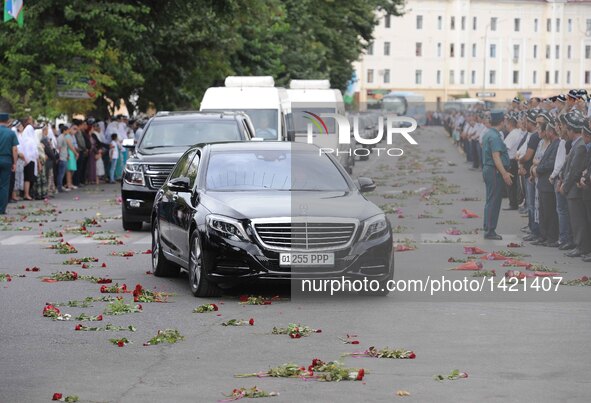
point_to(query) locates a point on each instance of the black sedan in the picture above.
(231, 212)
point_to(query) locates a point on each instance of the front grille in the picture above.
(305, 235)
(157, 174)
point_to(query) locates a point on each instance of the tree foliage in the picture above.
(168, 52)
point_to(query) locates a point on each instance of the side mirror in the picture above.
(129, 143)
(179, 184)
(366, 185)
(291, 135)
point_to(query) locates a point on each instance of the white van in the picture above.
(267, 106)
(405, 103)
(309, 99)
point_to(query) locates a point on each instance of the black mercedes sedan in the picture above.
(231, 212)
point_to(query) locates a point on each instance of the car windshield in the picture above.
(185, 133)
(273, 170)
(263, 120)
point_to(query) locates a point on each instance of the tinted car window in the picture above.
(264, 122)
(272, 170)
(182, 166)
(185, 133)
(192, 172)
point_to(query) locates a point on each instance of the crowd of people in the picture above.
(541, 150)
(50, 159)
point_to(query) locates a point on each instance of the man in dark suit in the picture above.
(547, 197)
(585, 183)
(572, 172)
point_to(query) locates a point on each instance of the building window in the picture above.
(587, 51)
(370, 49)
(558, 25)
(452, 24)
(438, 76)
(473, 50)
(547, 77)
(419, 22)
(557, 52)
(516, 24)
(452, 77)
(588, 77)
(535, 77)
(419, 49)
(536, 25)
(547, 51)
(493, 50)
(387, 21)
(473, 77)
(493, 23)
(569, 52)
(462, 50)
(556, 77)
(570, 25)
(535, 51)
(548, 25)
(451, 50)
(386, 76)
(462, 77)
(515, 76)
(370, 75)
(492, 77)
(439, 49)
(568, 77)
(474, 23)
(463, 23)
(418, 76)
(440, 23)
(515, 53)
(386, 48)
(588, 25)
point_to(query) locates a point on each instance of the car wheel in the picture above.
(200, 285)
(161, 267)
(132, 225)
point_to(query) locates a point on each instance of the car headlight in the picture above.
(226, 227)
(134, 174)
(374, 227)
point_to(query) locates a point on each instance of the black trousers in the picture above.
(80, 174)
(578, 222)
(548, 216)
(513, 190)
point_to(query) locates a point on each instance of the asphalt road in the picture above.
(522, 346)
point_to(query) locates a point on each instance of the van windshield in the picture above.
(263, 120)
(301, 118)
(395, 105)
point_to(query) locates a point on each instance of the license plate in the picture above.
(306, 259)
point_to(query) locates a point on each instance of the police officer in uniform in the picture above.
(495, 162)
(8, 157)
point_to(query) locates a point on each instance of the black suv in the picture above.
(166, 137)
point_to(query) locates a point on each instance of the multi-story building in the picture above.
(448, 48)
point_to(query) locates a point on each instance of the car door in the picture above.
(184, 210)
(169, 210)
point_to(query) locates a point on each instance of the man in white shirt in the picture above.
(512, 142)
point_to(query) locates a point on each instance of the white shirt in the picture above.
(51, 136)
(512, 142)
(560, 159)
(115, 148)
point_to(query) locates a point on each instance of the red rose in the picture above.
(360, 375)
(27, 269)
(318, 330)
(584, 279)
(124, 287)
(120, 343)
(302, 369)
(310, 368)
(243, 298)
(215, 307)
(310, 373)
(251, 321)
(35, 269)
(148, 252)
(135, 298)
(100, 317)
(84, 266)
(297, 335)
(267, 302)
(104, 264)
(412, 355)
(74, 275)
(355, 342)
(139, 306)
(56, 396)
(78, 327)
(103, 289)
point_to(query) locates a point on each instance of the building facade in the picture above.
(448, 48)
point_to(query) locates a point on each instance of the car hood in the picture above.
(158, 158)
(268, 204)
